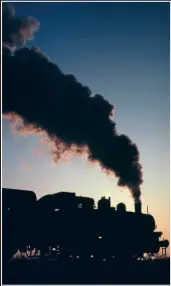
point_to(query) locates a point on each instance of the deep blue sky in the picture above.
(120, 50)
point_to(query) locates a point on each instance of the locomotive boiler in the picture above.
(75, 227)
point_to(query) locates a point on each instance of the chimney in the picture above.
(138, 207)
(109, 201)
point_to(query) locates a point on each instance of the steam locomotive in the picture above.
(75, 227)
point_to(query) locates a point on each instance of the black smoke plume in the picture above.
(16, 30)
(37, 90)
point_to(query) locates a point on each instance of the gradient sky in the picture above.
(120, 50)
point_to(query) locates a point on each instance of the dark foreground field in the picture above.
(46, 272)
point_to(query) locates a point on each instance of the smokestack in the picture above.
(138, 207)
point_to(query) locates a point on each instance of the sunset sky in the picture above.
(120, 50)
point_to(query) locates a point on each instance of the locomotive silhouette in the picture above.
(75, 228)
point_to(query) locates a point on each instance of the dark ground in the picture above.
(45, 272)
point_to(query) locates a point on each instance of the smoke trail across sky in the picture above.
(46, 99)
